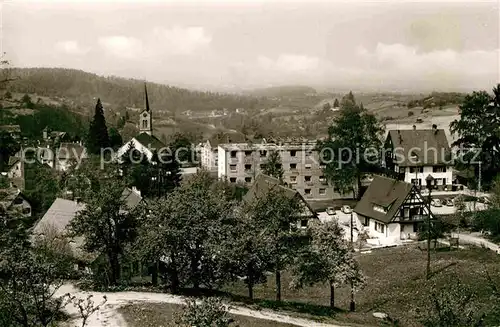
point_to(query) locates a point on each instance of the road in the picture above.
(478, 240)
(108, 315)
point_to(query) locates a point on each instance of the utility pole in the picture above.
(429, 180)
(352, 306)
(479, 182)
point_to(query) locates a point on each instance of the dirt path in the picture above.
(477, 240)
(109, 316)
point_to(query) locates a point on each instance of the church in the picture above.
(145, 142)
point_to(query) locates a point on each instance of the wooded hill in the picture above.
(83, 88)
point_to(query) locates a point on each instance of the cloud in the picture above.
(392, 63)
(71, 47)
(180, 40)
(289, 63)
(122, 46)
(161, 42)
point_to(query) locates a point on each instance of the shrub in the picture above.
(410, 113)
(209, 313)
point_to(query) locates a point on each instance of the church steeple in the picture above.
(146, 116)
(146, 94)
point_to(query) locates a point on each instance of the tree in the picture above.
(209, 313)
(26, 101)
(8, 147)
(115, 139)
(184, 230)
(275, 214)
(336, 103)
(453, 306)
(182, 148)
(246, 251)
(327, 259)
(273, 166)
(41, 186)
(352, 148)
(29, 279)
(327, 106)
(477, 131)
(106, 226)
(97, 137)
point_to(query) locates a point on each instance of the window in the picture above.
(233, 154)
(293, 166)
(248, 153)
(366, 221)
(415, 169)
(144, 124)
(303, 223)
(26, 211)
(232, 167)
(308, 166)
(293, 179)
(307, 178)
(263, 153)
(322, 191)
(379, 227)
(278, 166)
(248, 179)
(307, 191)
(322, 179)
(293, 153)
(378, 208)
(402, 170)
(248, 167)
(322, 166)
(232, 179)
(438, 169)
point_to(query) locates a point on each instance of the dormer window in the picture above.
(379, 208)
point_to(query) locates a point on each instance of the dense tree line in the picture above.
(83, 87)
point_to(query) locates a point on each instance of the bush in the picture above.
(410, 113)
(209, 313)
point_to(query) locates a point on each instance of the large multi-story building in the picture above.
(241, 163)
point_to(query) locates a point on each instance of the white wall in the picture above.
(221, 171)
(427, 170)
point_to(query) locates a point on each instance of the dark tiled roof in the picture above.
(385, 192)
(71, 151)
(150, 141)
(217, 139)
(264, 184)
(11, 128)
(7, 197)
(422, 143)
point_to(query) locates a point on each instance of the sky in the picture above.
(233, 45)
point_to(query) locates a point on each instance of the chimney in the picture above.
(434, 128)
(414, 127)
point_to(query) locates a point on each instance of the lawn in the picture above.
(395, 285)
(161, 315)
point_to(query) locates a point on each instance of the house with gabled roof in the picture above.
(69, 154)
(417, 153)
(264, 184)
(392, 209)
(145, 142)
(13, 201)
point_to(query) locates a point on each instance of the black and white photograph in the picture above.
(249, 163)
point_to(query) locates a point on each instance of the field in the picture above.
(395, 285)
(156, 315)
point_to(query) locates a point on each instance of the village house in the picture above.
(264, 184)
(416, 154)
(392, 209)
(13, 130)
(13, 201)
(61, 213)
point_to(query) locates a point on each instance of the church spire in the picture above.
(146, 94)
